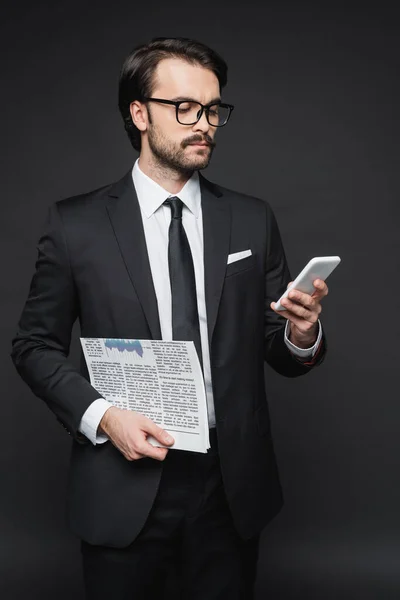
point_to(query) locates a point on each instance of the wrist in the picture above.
(303, 340)
(107, 419)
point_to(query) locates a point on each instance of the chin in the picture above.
(197, 165)
(198, 162)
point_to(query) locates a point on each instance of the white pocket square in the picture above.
(238, 256)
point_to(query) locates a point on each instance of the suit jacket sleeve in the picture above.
(41, 344)
(277, 277)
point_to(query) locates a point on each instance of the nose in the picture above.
(202, 124)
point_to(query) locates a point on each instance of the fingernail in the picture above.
(168, 438)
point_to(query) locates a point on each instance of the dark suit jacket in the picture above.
(93, 265)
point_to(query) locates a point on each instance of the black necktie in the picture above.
(185, 316)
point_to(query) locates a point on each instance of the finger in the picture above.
(300, 311)
(290, 283)
(128, 453)
(133, 455)
(282, 313)
(160, 453)
(141, 448)
(303, 326)
(321, 289)
(303, 299)
(151, 451)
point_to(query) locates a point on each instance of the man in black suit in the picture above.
(165, 254)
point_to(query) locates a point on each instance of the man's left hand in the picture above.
(303, 311)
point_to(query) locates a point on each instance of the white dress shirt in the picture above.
(156, 220)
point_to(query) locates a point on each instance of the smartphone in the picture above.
(319, 267)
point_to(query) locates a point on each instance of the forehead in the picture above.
(175, 78)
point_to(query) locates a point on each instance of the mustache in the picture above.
(198, 139)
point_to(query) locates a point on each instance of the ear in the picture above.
(139, 115)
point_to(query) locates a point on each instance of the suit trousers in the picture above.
(188, 547)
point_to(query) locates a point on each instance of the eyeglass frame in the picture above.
(204, 108)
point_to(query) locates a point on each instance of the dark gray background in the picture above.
(315, 131)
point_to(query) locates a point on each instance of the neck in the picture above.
(170, 179)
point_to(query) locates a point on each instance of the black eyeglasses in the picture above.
(189, 112)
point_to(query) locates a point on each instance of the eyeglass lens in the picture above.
(188, 113)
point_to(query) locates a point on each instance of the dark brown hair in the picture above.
(136, 78)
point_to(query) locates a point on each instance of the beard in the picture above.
(171, 155)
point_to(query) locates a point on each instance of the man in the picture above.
(165, 254)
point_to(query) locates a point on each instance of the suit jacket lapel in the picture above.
(216, 232)
(126, 219)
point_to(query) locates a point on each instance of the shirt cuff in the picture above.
(91, 420)
(303, 352)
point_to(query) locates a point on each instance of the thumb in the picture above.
(159, 433)
(290, 283)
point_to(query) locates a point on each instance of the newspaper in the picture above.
(159, 379)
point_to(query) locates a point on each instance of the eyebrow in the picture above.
(188, 99)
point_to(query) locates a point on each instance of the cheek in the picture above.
(166, 133)
(172, 131)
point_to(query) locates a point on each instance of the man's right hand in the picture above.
(128, 431)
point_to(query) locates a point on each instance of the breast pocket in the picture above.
(244, 264)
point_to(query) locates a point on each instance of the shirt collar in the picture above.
(151, 195)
